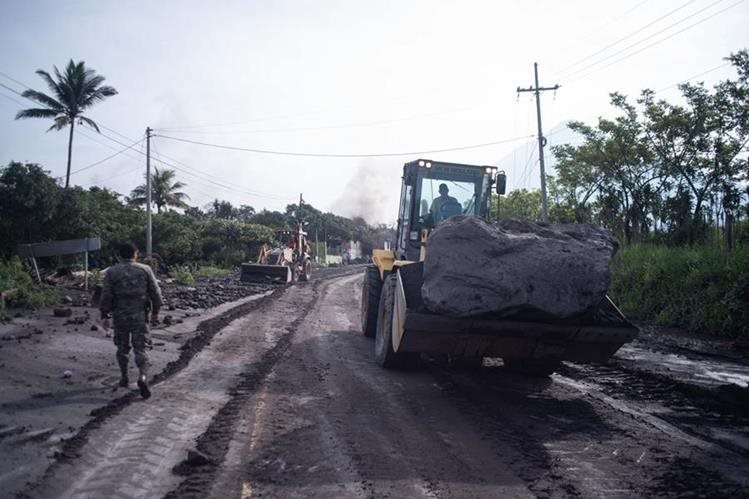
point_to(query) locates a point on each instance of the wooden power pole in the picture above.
(149, 242)
(541, 140)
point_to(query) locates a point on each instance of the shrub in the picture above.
(211, 271)
(27, 293)
(183, 275)
(700, 289)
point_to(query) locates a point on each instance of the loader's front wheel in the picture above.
(384, 353)
(370, 300)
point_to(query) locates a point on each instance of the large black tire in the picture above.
(370, 300)
(306, 273)
(384, 353)
(533, 367)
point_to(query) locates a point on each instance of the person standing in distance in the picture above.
(128, 289)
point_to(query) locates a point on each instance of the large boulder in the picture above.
(474, 268)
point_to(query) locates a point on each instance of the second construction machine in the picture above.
(286, 263)
(394, 314)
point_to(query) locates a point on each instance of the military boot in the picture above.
(124, 380)
(145, 392)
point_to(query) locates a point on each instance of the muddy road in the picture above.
(286, 401)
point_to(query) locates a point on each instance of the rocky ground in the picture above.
(279, 397)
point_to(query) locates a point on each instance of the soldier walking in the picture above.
(129, 289)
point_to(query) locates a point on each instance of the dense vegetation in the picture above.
(33, 207)
(698, 288)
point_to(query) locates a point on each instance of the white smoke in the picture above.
(372, 192)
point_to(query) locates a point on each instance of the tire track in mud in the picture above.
(572, 446)
(207, 329)
(688, 458)
(696, 410)
(486, 404)
(214, 443)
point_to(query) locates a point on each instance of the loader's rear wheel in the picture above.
(384, 353)
(370, 300)
(306, 271)
(533, 367)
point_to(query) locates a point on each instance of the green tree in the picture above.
(702, 144)
(28, 201)
(521, 204)
(75, 90)
(613, 162)
(164, 191)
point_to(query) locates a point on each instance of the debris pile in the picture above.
(474, 268)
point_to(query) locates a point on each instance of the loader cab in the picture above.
(469, 190)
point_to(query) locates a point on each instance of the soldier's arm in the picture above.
(107, 299)
(154, 293)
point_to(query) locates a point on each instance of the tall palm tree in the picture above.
(75, 90)
(163, 191)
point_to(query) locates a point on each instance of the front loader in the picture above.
(394, 314)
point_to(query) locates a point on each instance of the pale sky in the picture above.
(342, 77)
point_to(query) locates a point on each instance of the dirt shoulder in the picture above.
(60, 374)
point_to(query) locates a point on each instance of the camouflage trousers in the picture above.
(137, 335)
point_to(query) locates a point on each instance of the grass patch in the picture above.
(700, 289)
(211, 271)
(26, 292)
(183, 275)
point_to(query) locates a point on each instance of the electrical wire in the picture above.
(12, 99)
(612, 44)
(324, 127)
(692, 77)
(107, 158)
(226, 187)
(330, 155)
(210, 183)
(649, 37)
(662, 39)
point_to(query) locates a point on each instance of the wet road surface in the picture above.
(286, 401)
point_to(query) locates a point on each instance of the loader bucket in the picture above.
(254, 272)
(594, 337)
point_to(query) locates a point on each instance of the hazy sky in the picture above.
(342, 77)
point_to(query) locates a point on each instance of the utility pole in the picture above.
(541, 140)
(149, 242)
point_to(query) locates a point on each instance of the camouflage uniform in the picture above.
(128, 290)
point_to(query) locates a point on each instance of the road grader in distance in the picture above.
(394, 314)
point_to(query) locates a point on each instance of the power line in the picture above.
(330, 155)
(11, 98)
(323, 127)
(595, 63)
(662, 39)
(210, 183)
(625, 37)
(217, 184)
(107, 158)
(597, 29)
(693, 77)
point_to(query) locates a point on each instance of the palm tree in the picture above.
(163, 191)
(76, 90)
